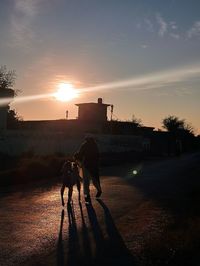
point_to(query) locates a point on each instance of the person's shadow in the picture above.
(108, 251)
(86, 245)
(99, 247)
(111, 250)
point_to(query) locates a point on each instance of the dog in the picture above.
(70, 177)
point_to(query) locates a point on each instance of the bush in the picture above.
(31, 169)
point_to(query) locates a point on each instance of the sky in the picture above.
(142, 56)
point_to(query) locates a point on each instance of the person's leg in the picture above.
(78, 184)
(96, 181)
(62, 192)
(97, 178)
(86, 184)
(86, 181)
(70, 191)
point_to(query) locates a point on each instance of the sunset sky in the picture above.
(143, 56)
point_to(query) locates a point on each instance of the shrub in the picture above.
(31, 169)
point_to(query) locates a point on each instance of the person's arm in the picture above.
(79, 155)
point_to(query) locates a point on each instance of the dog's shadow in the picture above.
(68, 254)
(60, 248)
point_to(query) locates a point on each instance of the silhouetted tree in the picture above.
(173, 124)
(7, 81)
(13, 118)
(136, 121)
(7, 78)
(189, 128)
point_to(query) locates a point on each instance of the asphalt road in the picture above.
(138, 203)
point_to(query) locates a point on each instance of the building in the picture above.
(64, 136)
(92, 118)
(94, 112)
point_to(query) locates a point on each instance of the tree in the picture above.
(7, 78)
(13, 118)
(136, 121)
(189, 128)
(7, 81)
(174, 124)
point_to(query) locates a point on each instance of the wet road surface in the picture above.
(36, 230)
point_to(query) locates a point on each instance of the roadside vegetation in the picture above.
(23, 169)
(30, 168)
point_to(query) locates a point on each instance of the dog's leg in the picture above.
(62, 192)
(78, 184)
(70, 191)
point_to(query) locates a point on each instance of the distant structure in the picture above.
(62, 136)
(4, 94)
(94, 112)
(92, 118)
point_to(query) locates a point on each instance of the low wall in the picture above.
(44, 143)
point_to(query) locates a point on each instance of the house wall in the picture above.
(93, 112)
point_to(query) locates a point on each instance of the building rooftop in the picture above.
(80, 104)
(99, 102)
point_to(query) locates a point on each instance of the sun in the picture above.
(65, 92)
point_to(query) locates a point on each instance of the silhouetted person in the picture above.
(88, 156)
(70, 177)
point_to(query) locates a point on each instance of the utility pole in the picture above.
(111, 112)
(67, 113)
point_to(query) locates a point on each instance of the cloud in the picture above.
(175, 36)
(165, 28)
(149, 25)
(162, 25)
(194, 31)
(168, 79)
(164, 79)
(50, 67)
(169, 28)
(26, 7)
(138, 26)
(144, 46)
(24, 13)
(173, 25)
(183, 91)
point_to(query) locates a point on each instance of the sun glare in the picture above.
(65, 92)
